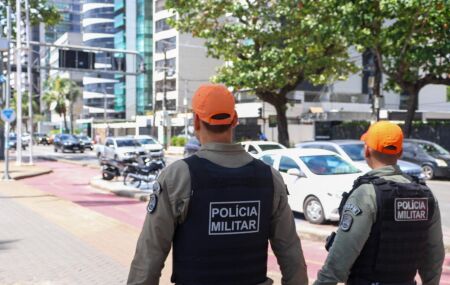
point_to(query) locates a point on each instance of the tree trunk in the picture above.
(283, 134)
(71, 118)
(65, 121)
(377, 88)
(412, 106)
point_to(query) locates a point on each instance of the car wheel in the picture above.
(82, 151)
(313, 211)
(131, 181)
(107, 176)
(56, 150)
(428, 171)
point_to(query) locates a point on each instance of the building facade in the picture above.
(97, 27)
(180, 61)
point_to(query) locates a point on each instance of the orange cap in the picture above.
(384, 137)
(214, 104)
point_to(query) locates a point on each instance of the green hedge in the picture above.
(178, 141)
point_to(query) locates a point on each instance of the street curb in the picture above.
(34, 174)
(70, 162)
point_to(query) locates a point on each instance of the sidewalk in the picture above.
(24, 171)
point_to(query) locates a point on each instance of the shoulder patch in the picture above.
(151, 207)
(346, 222)
(349, 207)
(156, 187)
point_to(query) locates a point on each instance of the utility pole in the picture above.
(164, 107)
(8, 90)
(19, 82)
(30, 79)
(104, 111)
(185, 108)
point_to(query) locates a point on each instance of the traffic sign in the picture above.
(8, 115)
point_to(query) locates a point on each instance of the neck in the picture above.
(206, 137)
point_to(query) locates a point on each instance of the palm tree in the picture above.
(60, 94)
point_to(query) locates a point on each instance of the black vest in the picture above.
(398, 238)
(224, 239)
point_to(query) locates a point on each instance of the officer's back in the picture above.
(218, 209)
(390, 226)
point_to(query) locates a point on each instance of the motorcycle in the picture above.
(112, 168)
(143, 169)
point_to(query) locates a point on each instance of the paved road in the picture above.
(87, 216)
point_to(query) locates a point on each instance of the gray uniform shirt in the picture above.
(348, 244)
(155, 241)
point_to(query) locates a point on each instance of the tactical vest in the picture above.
(398, 238)
(224, 239)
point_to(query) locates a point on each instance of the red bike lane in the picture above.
(71, 182)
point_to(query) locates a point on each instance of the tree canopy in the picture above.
(410, 38)
(268, 47)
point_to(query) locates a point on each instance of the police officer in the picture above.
(390, 225)
(218, 209)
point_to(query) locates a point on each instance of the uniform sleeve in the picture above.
(154, 242)
(431, 267)
(349, 241)
(284, 239)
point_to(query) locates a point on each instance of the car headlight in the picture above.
(441, 163)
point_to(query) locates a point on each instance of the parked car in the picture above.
(12, 142)
(353, 150)
(26, 139)
(68, 142)
(41, 139)
(120, 148)
(256, 147)
(315, 179)
(87, 141)
(151, 145)
(53, 138)
(191, 147)
(433, 158)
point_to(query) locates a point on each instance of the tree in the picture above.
(40, 12)
(60, 94)
(268, 46)
(25, 104)
(410, 40)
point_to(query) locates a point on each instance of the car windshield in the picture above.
(432, 148)
(328, 165)
(354, 151)
(127, 143)
(84, 137)
(147, 141)
(265, 147)
(69, 138)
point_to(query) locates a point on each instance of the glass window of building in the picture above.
(168, 44)
(162, 25)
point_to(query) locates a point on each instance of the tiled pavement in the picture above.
(36, 251)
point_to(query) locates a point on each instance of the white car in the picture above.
(315, 179)
(353, 151)
(254, 148)
(151, 145)
(121, 148)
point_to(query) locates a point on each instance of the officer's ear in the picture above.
(235, 121)
(196, 122)
(366, 151)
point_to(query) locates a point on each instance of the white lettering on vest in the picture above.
(411, 209)
(240, 217)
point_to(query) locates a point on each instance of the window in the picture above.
(109, 143)
(160, 5)
(268, 159)
(328, 147)
(167, 44)
(328, 165)
(171, 64)
(162, 25)
(252, 149)
(265, 147)
(287, 163)
(171, 85)
(354, 151)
